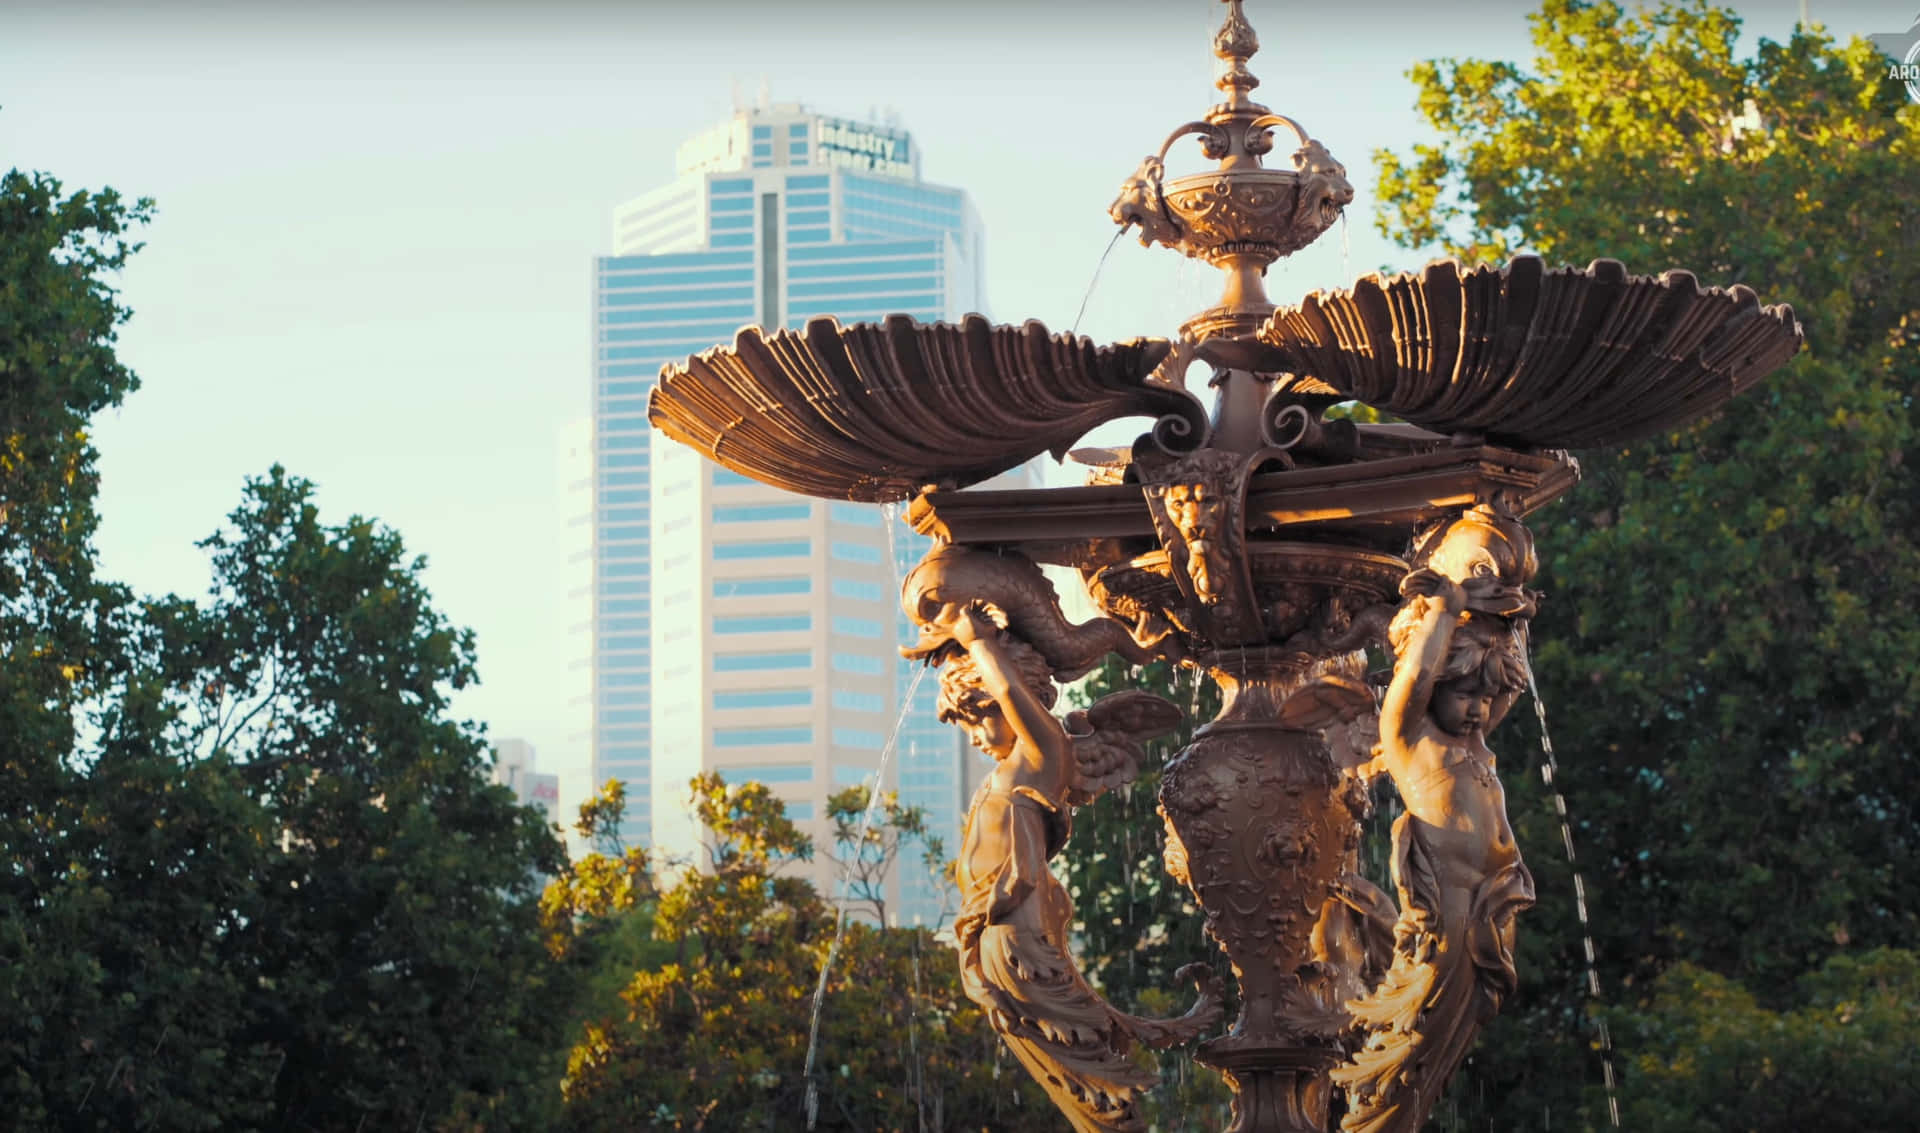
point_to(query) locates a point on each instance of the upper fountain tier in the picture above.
(1523, 357)
(1240, 216)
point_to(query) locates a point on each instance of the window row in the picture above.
(763, 623)
(760, 587)
(724, 700)
(762, 662)
(894, 248)
(762, 549)
(755, 513)
(761, 737)
(877, 271)
(647, 264)
(838, 288)
(613, 285)
(890, 305)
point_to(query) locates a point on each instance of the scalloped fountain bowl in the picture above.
(1561, 358)
(878, 412)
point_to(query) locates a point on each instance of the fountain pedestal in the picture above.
(1261, 826)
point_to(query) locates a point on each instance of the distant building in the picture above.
(513, 767)
(572, 759)
(737, 627)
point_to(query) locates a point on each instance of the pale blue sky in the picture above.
(371, 260)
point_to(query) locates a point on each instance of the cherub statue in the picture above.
(1014, 917)
(1458, 670)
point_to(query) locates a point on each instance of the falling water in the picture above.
(1549, 771)
(840, 919)
(1346, 248)
(1095, 281)
(889, 513)
(913, 1036)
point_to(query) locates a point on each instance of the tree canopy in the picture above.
(1727, 650)
(712, 1022)
(256, 878)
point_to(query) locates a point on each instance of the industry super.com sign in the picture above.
(864, 148)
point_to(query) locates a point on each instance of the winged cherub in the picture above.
(1014, 916)
(1458, 670)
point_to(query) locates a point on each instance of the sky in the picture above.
(372, 255)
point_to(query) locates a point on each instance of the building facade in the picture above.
(740, 628)
(515, 766)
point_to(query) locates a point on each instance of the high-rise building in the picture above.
(739, 628)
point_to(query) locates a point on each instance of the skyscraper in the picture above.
(737, 627)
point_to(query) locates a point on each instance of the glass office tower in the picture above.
(739, 628)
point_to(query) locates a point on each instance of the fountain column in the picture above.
(1260, 827)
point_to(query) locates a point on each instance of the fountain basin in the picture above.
(1560, 358)
(877, 412)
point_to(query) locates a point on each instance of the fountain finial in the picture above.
(1240, 216)
(1234, 44)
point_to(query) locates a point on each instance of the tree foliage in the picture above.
(255, 877)
(869, 835)
(1840, 1056)
(1727, 653)
(711, 1031)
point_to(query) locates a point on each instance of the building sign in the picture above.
(543, 791)
(865, 149)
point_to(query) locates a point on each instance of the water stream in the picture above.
(1095, 281)
(1549, 771)
(1346, 249)
(889, 519)
(840, 917)
(913, 1036)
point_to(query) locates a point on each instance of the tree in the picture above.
(59, 317)
(255, 878)
(869, 849)
(713, 1033)
(1727, 649)
(121, 865)
(1843, 1057)
(393, 931)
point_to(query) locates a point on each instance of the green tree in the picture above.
(1727, 650)
(712, 1034)
(1712, 1058)
(255, 878)
(121, 864)
(869, 844)
(393, 930)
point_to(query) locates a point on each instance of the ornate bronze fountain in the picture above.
(1268, 546)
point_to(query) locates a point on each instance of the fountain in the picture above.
(1269, 546)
